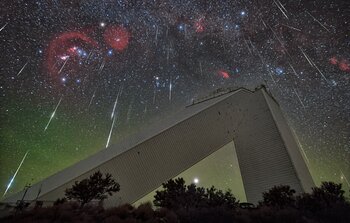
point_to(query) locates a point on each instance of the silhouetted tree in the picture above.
(200, 205)
(218, 198)
(177, 195)
(95, 187)
(60, 201)
(173, 195)
(328, 194)
(279, 196)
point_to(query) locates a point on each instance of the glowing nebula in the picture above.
(199, 25)
(64, 46)
(333, 60)
(342, 64)
(223, 74)
(117, 37)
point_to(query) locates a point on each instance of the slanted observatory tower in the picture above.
(266, 149)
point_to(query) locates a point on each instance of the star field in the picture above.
(78, 76)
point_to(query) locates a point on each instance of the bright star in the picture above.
(181, 27)
(279, 71)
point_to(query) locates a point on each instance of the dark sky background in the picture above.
(77, 76)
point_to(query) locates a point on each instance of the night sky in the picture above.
(79, 75)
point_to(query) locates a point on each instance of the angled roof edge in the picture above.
(217, 93)
(223, 91)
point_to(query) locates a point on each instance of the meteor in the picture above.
(293, 70)
(156, 37)
(116, 102)
(343, 178)
(53, 114)
(245, 41)
(64, 64)
(170, 90)
(14, 175)
(110, 132)
(92, 98)
(102, 66)
(301, 102)
(128, 114)
(281, 8)
(307, 58)
(201, 68)
(300, 146)
(24, 66)
(318, 22)
(291, 27)
(311, 62)
(3, 27)
(154, 95)
(168, 54)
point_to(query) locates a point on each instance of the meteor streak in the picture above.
(14, 175)
(293, 70)
(245, 41)
(3, 27)
(311, 62)
(299, 98)
(279, 40)
(102, 66)
(92, 98)
(168, 51)
(110, 132)
(318, 22)
(53, 114)
(300, 146)
(156, 37)
(24, 66)
(128, 114)
(291, 27)
(116, 101)
(170, 90)
(200, 68)
(64, 64)
(307, 58)
(154, 95)
(343, 177)
(281, 8)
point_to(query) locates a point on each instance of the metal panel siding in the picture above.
(299, 164)
(262, 157)
(143, 163)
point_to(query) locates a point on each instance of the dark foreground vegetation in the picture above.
(178, 202)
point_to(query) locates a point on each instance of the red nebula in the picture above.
(199, 26)
(223, 74)
(117, 37)
(63, 46)
(333, 60)
(344, 65)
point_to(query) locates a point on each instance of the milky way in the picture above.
(77, 76)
